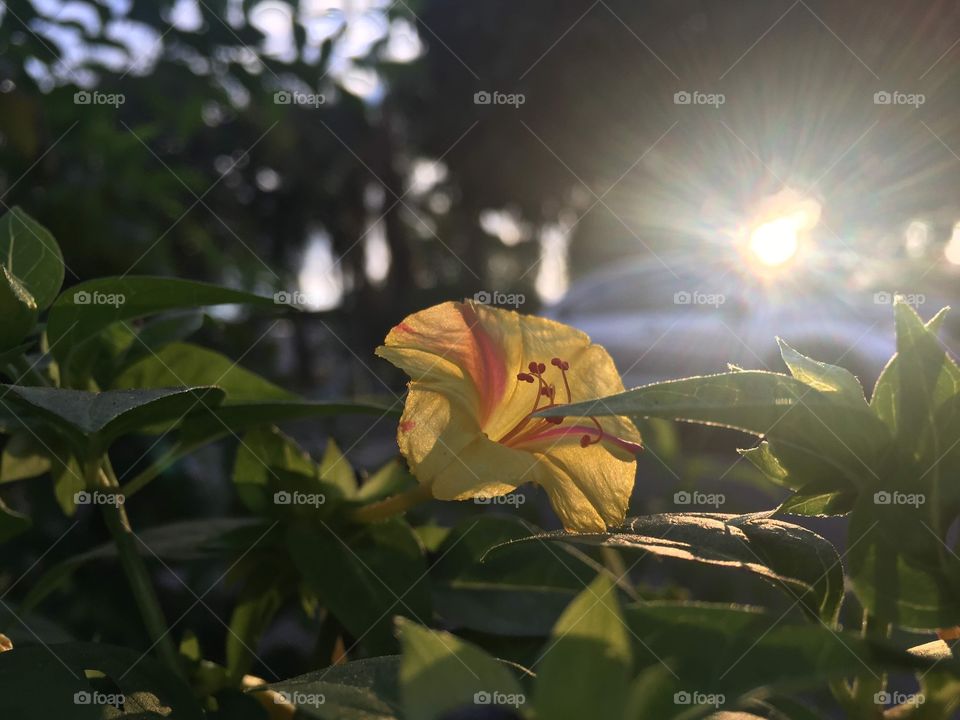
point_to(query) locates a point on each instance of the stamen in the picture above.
(531, 429)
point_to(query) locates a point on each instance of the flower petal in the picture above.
(460, 348)
(588, 487)
(446, 450)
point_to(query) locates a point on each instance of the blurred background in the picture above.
(684, 180)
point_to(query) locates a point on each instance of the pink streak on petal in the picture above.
(407, 425)
(490, 370)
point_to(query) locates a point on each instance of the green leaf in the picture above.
(183, 364)
(822, 376)
(900, 564)
(336, 471)
(926, 378)
(30, 253)
(820, 430)
(916, 341)
(763, 458)
(240, 417)
(93, 362)
(251, 617)
(358, 690)
(182, 541)
(720, 650)
(159, 332)
(269, 462)
(391, 479)
(107, 415)
(901, 570)
(18, 310)
(87, 308)
(23, 457)
(586, 668)
(12, 523)
(67, 475)
(365, 577)
(47, 678)
(520, 591)
(798, 560)
(810, 501)
(439, 672)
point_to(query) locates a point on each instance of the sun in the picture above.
(775, 243)
(779, 226)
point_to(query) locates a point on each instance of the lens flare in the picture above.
(779, 226)
(775, 242)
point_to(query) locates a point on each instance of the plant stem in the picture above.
(375, 512)
(866, 688)
(99, 475)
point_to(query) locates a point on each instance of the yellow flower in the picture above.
(477, 376)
